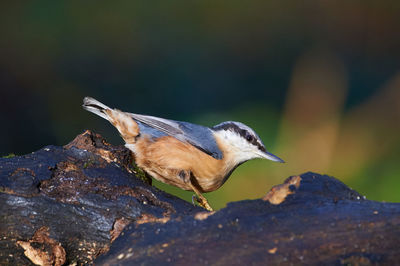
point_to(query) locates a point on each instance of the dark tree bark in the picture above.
(84, 203)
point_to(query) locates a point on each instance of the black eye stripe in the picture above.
(242, 132)
(261, 147)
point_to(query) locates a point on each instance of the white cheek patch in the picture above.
(241, 148)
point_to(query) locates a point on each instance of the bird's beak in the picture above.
(270, 156)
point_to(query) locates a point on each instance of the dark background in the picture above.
(318, 80)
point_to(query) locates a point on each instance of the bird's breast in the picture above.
(166, 156)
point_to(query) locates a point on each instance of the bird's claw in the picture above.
(202, 202)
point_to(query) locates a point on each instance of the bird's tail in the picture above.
(96, 107)
(124, 122)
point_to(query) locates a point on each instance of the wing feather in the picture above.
(198, 136)
(167, 126)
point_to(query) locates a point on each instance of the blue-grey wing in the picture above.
(202, 138)
(199, 136)
(151, 131)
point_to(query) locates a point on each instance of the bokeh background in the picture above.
(318, 80)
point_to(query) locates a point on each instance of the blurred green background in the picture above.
(318, 80)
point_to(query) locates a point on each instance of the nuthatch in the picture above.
(185, 155)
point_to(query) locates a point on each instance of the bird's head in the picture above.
(243, 143)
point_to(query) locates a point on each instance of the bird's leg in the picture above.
(186, 177)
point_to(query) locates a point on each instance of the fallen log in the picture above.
(86, 203)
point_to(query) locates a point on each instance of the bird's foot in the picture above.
(202, 201)
(186, 176)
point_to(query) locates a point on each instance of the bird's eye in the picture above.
(248, 136)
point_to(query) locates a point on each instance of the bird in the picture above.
(185, 155)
